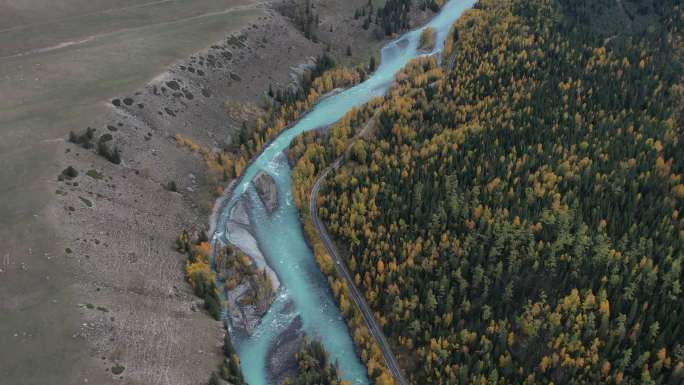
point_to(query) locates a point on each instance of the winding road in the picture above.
(341, 268)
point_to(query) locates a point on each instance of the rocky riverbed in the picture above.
(267, 191)
(281, 361)
(250, 286)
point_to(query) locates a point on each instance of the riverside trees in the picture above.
(314, 366)
(286, 107)
(394, 16)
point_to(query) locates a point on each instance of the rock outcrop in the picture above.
(281, 362)
(250, 284)
(267, 190)
(238, 214)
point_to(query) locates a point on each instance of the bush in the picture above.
(69, 173)
(213, 380)
(212, 304)
(205, 287)
(113, 155)
(183, 243)
(427, 39)
(118, 369)
(231, 372)
(84, 139)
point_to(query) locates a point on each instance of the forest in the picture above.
(517, 218)
(314, 367)
(394, 16)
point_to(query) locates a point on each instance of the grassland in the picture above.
(45, 93)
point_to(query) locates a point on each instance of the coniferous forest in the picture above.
(518, 217)
(314, 366)
(394, 15)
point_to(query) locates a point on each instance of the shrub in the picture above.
(427, 39)
(111, 154)
(118, 369)
(69, 173)
(84, 139)
(213, 380)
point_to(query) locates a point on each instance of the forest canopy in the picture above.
(518, 218)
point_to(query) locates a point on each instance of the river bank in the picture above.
(280, 235)
(105, 265)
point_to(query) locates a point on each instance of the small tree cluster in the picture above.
(314, 366)
(199, 273)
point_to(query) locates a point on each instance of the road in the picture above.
(341, 268)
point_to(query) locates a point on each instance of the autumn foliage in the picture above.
(517, 219)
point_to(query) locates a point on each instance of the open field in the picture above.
(43, 95)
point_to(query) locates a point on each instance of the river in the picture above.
(280, 235)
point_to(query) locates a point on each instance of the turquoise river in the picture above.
(280, 235)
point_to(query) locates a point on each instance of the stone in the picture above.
(281, 361)
(267, 190)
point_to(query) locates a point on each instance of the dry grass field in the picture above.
(107, 48)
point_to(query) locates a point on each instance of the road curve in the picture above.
(359, 300)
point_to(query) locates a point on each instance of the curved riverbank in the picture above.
(280, 233)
